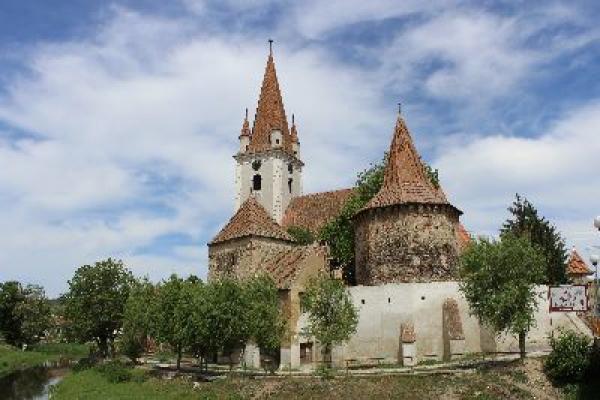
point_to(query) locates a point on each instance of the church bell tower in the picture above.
(268, 161)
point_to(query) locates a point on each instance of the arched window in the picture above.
(256, 182)
(290, 184)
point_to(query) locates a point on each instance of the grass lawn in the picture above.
(507, 382)
(13, 359)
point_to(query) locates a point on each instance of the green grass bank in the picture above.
(13, 359)
(514, 381)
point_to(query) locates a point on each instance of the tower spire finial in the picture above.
(270, 47)
(399, 108)
(293, 122)
(246, 113)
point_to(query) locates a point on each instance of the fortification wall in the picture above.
(384, 309)
(410, 243)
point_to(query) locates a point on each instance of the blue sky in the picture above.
(118, 119)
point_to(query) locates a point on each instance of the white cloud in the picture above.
(142, 118)
(134, 128)
(557, 171)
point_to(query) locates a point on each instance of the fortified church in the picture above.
(408, 240)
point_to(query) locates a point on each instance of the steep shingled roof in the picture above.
(462, 237)
(251, 220)
(270, 114)
(405, 179)
(576, 265)
(314, 210)
(284, 267)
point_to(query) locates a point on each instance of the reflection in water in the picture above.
(31, 384)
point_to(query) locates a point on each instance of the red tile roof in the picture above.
(285, 266)
(576, 265)
(270, 114)
(314, 210)
(251, 220)
(463, 237)
(405, 179)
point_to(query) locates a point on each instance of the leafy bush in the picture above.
(301, 235)
(115, 372)
(569, 359)
(84, 364)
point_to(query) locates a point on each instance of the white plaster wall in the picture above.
(278, 186)
(238, 186)
(386, 307)
(274, 194)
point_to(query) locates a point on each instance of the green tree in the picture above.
(24, 313)
(95, 302)
(137, 318)
(527, 222)
(499, 282)
(339, 232)
(223, 315)
(264, 322)
(174, 320)
(332, 318)
(301, 235)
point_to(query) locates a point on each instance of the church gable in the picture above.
(251, 220)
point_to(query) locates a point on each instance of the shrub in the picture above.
(115, 372)
(84, 364)
(569, 359)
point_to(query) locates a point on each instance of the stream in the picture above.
(32, 383)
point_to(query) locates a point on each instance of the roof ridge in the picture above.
(251, 219)
(325, 192)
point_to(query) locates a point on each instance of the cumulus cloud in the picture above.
(556, 170)
(131, 137)
(120, 143)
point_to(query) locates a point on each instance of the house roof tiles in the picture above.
(576, 265)
(251, 220)
(314, 210)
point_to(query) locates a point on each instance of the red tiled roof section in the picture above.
(245, 131)
(251, 220)
(405, 179)
(285, 266)
(314, 210)
(270, 114)
(576, 265)
(463, 238)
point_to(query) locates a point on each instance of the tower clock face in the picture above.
(256, 165)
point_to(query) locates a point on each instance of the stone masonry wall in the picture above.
(408, 243)
(242, 258)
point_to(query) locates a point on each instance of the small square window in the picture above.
(362, 301)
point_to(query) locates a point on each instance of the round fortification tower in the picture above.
(407, 232)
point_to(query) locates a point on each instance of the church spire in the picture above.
(293, 131)
(245, 126)
(270, 113)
